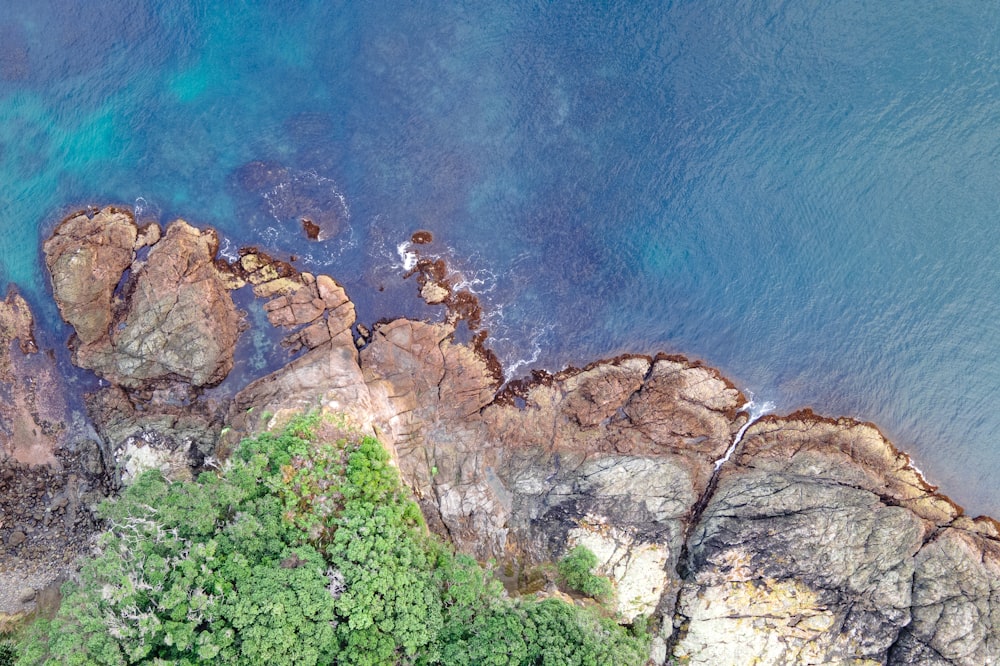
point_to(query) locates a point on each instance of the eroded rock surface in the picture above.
(810, 547)
(807, 550)
(86, 256)
(527, 477)
(171, 318)
(955, 603)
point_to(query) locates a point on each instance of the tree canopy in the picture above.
(305, 549)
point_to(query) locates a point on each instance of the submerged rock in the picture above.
(292, 197)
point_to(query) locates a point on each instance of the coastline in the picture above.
(623, 455)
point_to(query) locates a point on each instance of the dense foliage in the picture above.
(8, 653)
(576, 571)
(305, 550)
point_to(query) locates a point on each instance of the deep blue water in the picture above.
(804, 196)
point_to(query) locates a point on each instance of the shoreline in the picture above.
(439, 285)
(656, 463)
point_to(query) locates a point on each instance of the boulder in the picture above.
(178, 323)
(169, 319)
(86, 256)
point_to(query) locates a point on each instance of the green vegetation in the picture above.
(304, 550)
(8, 653)
(576, 572)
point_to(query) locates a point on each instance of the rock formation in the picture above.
(51, 471)
(805, 552)
(815, 542)
(170, 318)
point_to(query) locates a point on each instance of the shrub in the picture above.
(304, 550)
(8, 653)
(576, 573)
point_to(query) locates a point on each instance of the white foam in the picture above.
(228, 251)
(513, 360)
(277, 204)
(477, 282)
(753, 411)
(407, 257)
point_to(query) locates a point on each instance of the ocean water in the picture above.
(806, 197)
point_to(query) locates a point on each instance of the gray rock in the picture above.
(956, 602)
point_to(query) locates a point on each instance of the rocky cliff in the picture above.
(814, 542)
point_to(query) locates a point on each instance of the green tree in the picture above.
(306, 549)
(576, 571)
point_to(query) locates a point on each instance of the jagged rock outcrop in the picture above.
(169, 319)
(86, 256)
(528, 477)
(807, 550)
(808, 545)
(171, 430)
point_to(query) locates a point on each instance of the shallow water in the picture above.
(803, 197)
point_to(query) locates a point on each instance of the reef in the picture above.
(814, 542)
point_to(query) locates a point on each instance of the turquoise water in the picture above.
(805, 197)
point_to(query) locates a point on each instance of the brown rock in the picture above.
(310, 337)
(271, 277)
(686, 407)
(595, 395)
(86, 256)
(148, 235)
(330, 292)
(178, 322)
(16, 323)
(303, 313)
(33, 410)
(174, 318)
